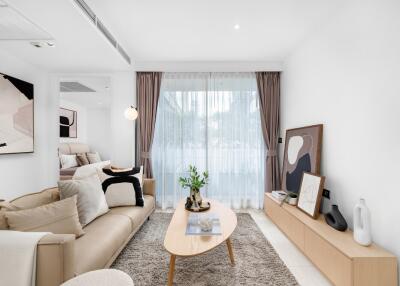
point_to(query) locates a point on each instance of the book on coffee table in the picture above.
(197, 224)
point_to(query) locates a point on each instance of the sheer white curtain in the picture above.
(211, 120)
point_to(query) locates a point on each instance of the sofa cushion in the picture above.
(121, 187)
(91, 200)
(103, 237)
(37, 199)
(3, 221)
(136, 214)
(59, 217)
(82, 159)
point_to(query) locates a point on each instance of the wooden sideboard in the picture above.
(335, 253)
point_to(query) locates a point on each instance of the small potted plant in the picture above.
(194, 182)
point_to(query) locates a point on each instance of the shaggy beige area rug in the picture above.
(257, 263)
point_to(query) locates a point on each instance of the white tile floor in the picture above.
(302, 268)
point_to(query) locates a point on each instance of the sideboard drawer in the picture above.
(291, 226)
(336, 266)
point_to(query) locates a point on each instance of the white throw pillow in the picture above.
(89, 170)
(91, 200)
(68, 161)
(118, 195)
(93, 157)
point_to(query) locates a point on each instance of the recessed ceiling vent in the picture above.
(97, 22)
(74, 86)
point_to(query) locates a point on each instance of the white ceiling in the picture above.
(168, 31)
(188, 30)
(79, 45)
(101, 98)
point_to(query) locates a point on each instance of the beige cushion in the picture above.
(91, 200)
(58, 217)
(3, 221)
(93, 157)
(37, 199)
(4, 207)
(136, 214)
(104, 236)
(82, 159)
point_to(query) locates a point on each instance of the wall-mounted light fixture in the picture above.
(131, 113)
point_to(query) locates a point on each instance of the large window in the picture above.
(211, 120)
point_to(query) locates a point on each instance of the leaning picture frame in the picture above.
(302, 153)
(310, 194)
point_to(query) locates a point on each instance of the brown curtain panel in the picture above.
(148, 92)
(269, 92)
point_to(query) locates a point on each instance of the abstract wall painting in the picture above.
(310, 194)
(68, 123)
(16, 115)
(302, 154)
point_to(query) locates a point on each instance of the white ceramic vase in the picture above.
(362, 224)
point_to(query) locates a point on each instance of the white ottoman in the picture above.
(103, 277)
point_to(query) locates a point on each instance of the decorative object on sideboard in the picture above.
(292, 199)
(310, 194)
(68, 123)
(131, 113)
(279, 195)
(302, 154)
(17, 115)
(195, 182)
(335, 219)
(362, 224)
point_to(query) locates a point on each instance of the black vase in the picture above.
(335, 219)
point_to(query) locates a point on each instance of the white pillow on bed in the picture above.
(68, 161)
(88, 170)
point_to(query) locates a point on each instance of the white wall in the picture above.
(25, 173)
(123, 89)
(347, 77)
(214, 66)
(99, 131)
(81, 121)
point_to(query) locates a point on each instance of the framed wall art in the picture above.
(310, 195)
(16, 115)
(302, 154)
(68, 123)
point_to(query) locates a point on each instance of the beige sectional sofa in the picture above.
(61, 256)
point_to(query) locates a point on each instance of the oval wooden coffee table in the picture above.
(177, 243)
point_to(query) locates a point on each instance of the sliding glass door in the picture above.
(210, 120)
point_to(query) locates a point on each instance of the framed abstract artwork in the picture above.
(310, 195)
(16, 115)
(302, 154)
(68, 123)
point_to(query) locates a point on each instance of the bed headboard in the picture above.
(73, 148)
